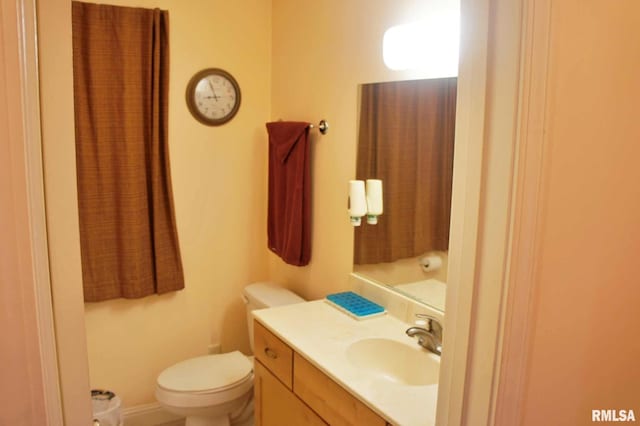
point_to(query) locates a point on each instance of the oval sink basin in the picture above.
(395, 361)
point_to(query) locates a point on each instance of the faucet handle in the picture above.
(432, 323)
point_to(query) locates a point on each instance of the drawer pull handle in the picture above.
(270, 353)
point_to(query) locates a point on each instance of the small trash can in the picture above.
(107, 408)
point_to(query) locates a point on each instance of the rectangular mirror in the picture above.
(406, 139)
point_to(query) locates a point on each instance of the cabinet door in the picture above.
(327, 398)
(275, 405)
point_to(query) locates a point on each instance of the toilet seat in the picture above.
(206, 380)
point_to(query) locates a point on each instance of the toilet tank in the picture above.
(265, 295)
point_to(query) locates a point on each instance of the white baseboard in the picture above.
(150, 415)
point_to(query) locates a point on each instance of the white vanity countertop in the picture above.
(322, 334)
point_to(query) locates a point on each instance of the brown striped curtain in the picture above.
(406, 139)
(128, 231)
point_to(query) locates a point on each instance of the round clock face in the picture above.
(213, 96)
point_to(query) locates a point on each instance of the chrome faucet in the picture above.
(429, 337)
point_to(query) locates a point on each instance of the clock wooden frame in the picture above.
(191, 100)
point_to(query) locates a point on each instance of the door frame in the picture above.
(18, 19)
(500, 160)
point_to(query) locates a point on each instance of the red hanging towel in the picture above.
(289, 215)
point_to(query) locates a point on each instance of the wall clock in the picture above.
(213, 96)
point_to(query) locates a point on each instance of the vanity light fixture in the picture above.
(429, 46)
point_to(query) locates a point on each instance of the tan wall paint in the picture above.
(584, 348)
(21, 387)
(218, 183)
(320, 56)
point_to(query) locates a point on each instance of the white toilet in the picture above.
(217, 390)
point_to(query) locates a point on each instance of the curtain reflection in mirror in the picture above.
(406, 138)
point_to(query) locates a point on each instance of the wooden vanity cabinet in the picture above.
(289, 390)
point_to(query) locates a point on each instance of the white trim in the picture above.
(528, 202)
(26, 22)
(486, 145)
(149, 414)
(499, 181)
(472, 80)
(56, 108)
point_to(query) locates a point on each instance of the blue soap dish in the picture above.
(355, 305)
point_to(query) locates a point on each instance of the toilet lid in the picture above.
(206, 372)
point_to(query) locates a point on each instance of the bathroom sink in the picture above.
(395, 361)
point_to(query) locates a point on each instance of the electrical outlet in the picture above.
(214, 348)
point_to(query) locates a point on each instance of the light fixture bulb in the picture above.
(430, 46)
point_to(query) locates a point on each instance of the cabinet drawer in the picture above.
(273, 353)
(327, 398)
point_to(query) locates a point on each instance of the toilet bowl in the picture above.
(217, 390)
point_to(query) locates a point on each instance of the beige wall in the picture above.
(585, 350)
(218, 183)
(320, 56)
(22, 398)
